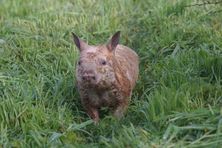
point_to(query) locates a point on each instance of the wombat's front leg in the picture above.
(93, 113)
(119, 111)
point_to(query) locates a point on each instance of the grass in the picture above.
(177, 101)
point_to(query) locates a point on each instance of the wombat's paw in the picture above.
(93, 114)
(119, 112)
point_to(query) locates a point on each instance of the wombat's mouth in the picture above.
(91, 82)
(96, 84)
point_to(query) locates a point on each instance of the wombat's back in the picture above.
(129, 63)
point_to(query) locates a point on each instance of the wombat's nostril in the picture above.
(88, 76)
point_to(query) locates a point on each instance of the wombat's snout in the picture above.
(89, 76)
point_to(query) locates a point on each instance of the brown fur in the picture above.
(106, 84)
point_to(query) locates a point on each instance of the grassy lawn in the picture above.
(177, 101)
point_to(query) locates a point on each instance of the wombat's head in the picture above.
(95, 66)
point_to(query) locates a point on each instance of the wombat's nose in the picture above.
(89, 76)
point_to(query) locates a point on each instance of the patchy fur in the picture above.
(106, 76)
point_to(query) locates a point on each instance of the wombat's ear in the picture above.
(79, 43)
(114, 41)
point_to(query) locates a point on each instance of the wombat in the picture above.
(106, 75)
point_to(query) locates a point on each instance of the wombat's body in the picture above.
(106, 76)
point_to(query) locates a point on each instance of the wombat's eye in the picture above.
(103, 62)
(79, 62)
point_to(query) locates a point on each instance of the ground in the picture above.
(178, 98)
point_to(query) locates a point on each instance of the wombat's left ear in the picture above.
(114, 41)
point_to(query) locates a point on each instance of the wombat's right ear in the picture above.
(79, 43)
(114, 41)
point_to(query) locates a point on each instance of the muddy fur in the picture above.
(106, 75)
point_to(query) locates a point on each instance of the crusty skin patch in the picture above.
(114, 70)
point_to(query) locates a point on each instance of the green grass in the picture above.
(177, 101)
